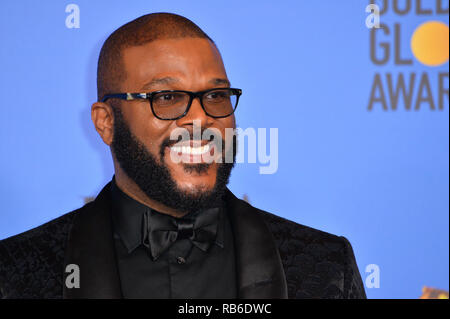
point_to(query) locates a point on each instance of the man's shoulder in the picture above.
(317, 264)
(283, 229)
(50, 229)
(296, 241)
(51, 234)
(32, 261)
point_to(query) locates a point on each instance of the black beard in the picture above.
(155, 180)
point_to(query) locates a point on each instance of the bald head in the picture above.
(145, 29)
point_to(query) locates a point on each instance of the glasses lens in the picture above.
(220, 102)
(170, 105)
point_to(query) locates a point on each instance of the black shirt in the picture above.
(183, 270)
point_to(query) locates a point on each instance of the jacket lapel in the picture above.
(259, 268)
(91, 246)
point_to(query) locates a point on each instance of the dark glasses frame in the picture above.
(192, 95)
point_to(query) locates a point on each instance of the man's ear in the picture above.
(102, 116)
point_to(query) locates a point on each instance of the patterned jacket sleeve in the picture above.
(353, 284)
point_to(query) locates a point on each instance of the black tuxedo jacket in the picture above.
(275, 257)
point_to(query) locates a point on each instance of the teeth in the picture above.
(191, 150)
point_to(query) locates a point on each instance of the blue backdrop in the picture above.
(378, 177)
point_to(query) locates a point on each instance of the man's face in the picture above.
(190, 64)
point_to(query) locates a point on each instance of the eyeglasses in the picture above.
(174, 104)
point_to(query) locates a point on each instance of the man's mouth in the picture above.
(193, 151)
(192, 147)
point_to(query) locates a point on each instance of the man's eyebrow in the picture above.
(165, 80)
(218, 81)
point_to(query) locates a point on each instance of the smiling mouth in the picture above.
(193, 151)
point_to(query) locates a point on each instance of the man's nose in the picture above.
(195, 113)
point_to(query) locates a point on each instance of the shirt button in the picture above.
(181, 260)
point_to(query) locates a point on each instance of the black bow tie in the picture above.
(160, 230)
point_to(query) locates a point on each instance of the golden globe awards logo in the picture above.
(429, 46)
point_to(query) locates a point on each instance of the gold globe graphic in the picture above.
(429, 43)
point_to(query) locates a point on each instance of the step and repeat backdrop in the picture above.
(353, 94)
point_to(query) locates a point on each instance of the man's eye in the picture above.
(167, 97)
(217, 96)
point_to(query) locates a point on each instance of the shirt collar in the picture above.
(127, 216)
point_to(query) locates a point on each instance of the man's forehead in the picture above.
(182, 56)
(177, 48)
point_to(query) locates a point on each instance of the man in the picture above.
(167, 226)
